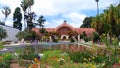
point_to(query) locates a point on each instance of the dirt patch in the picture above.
(15, 65)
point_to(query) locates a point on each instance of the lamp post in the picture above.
(97, 6)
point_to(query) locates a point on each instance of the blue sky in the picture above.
(56, 11)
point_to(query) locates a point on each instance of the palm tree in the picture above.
(114, 20)
(30, 3)
(108, 22)
(111, 20)
(96, 24)
(6, 11)
(97, 7)
(24, 6)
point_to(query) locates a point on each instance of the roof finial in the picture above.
(65, 21)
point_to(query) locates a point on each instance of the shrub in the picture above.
(79, 56)
(95, 36)
(86, 39)
(26, 56)
(28, 53)
(5, 61)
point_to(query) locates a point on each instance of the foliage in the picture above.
(17, 17)
(28, 16)
(95, 37)
(72, 35)
(24, 6)
(104, 57)
(86, 39)
(27, 35)
(108, 22)
(54, 58)
(86, 22)
(72, 40)
(79, 56)
(28, 53)
(6, 11)
(3, 33)
(5, 60)
(2, 45)
(41, 21)
(42, 30)
(7, 56)
(54, 36)
(26, 56)
(51, 54)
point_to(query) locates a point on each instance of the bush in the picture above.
(72, 40)
(6, 59)
(28, 53)
(79, 56)
(86, 39)
(95, 37)
(1, 45)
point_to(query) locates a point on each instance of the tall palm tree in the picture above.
(97, 7)
(111, 20)
(30, 3)
(96, 24)
(24, 6)
(6, 11)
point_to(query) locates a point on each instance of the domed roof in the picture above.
(64, 25)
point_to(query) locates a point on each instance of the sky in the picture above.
(56, 11)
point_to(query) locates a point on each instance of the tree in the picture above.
(3, 33)
(97, 7)
(24, 6)
(6, 11)
(112, 17)
(108, 23)
(41, 21)
(17, 17)
(27, 35)
(30, 3)
(27, 4)
(72, 35)
(87, 22)
(54, 36)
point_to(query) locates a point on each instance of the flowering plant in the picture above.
(61, 61)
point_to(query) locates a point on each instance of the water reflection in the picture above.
(41, 46)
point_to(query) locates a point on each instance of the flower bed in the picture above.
(71, 56)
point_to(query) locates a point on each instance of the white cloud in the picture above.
(75, 18)
(69, 9)
(54, 23)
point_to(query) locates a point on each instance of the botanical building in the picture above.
(65, 30)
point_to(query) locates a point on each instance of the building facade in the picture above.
(65, 28)
(11, 33)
